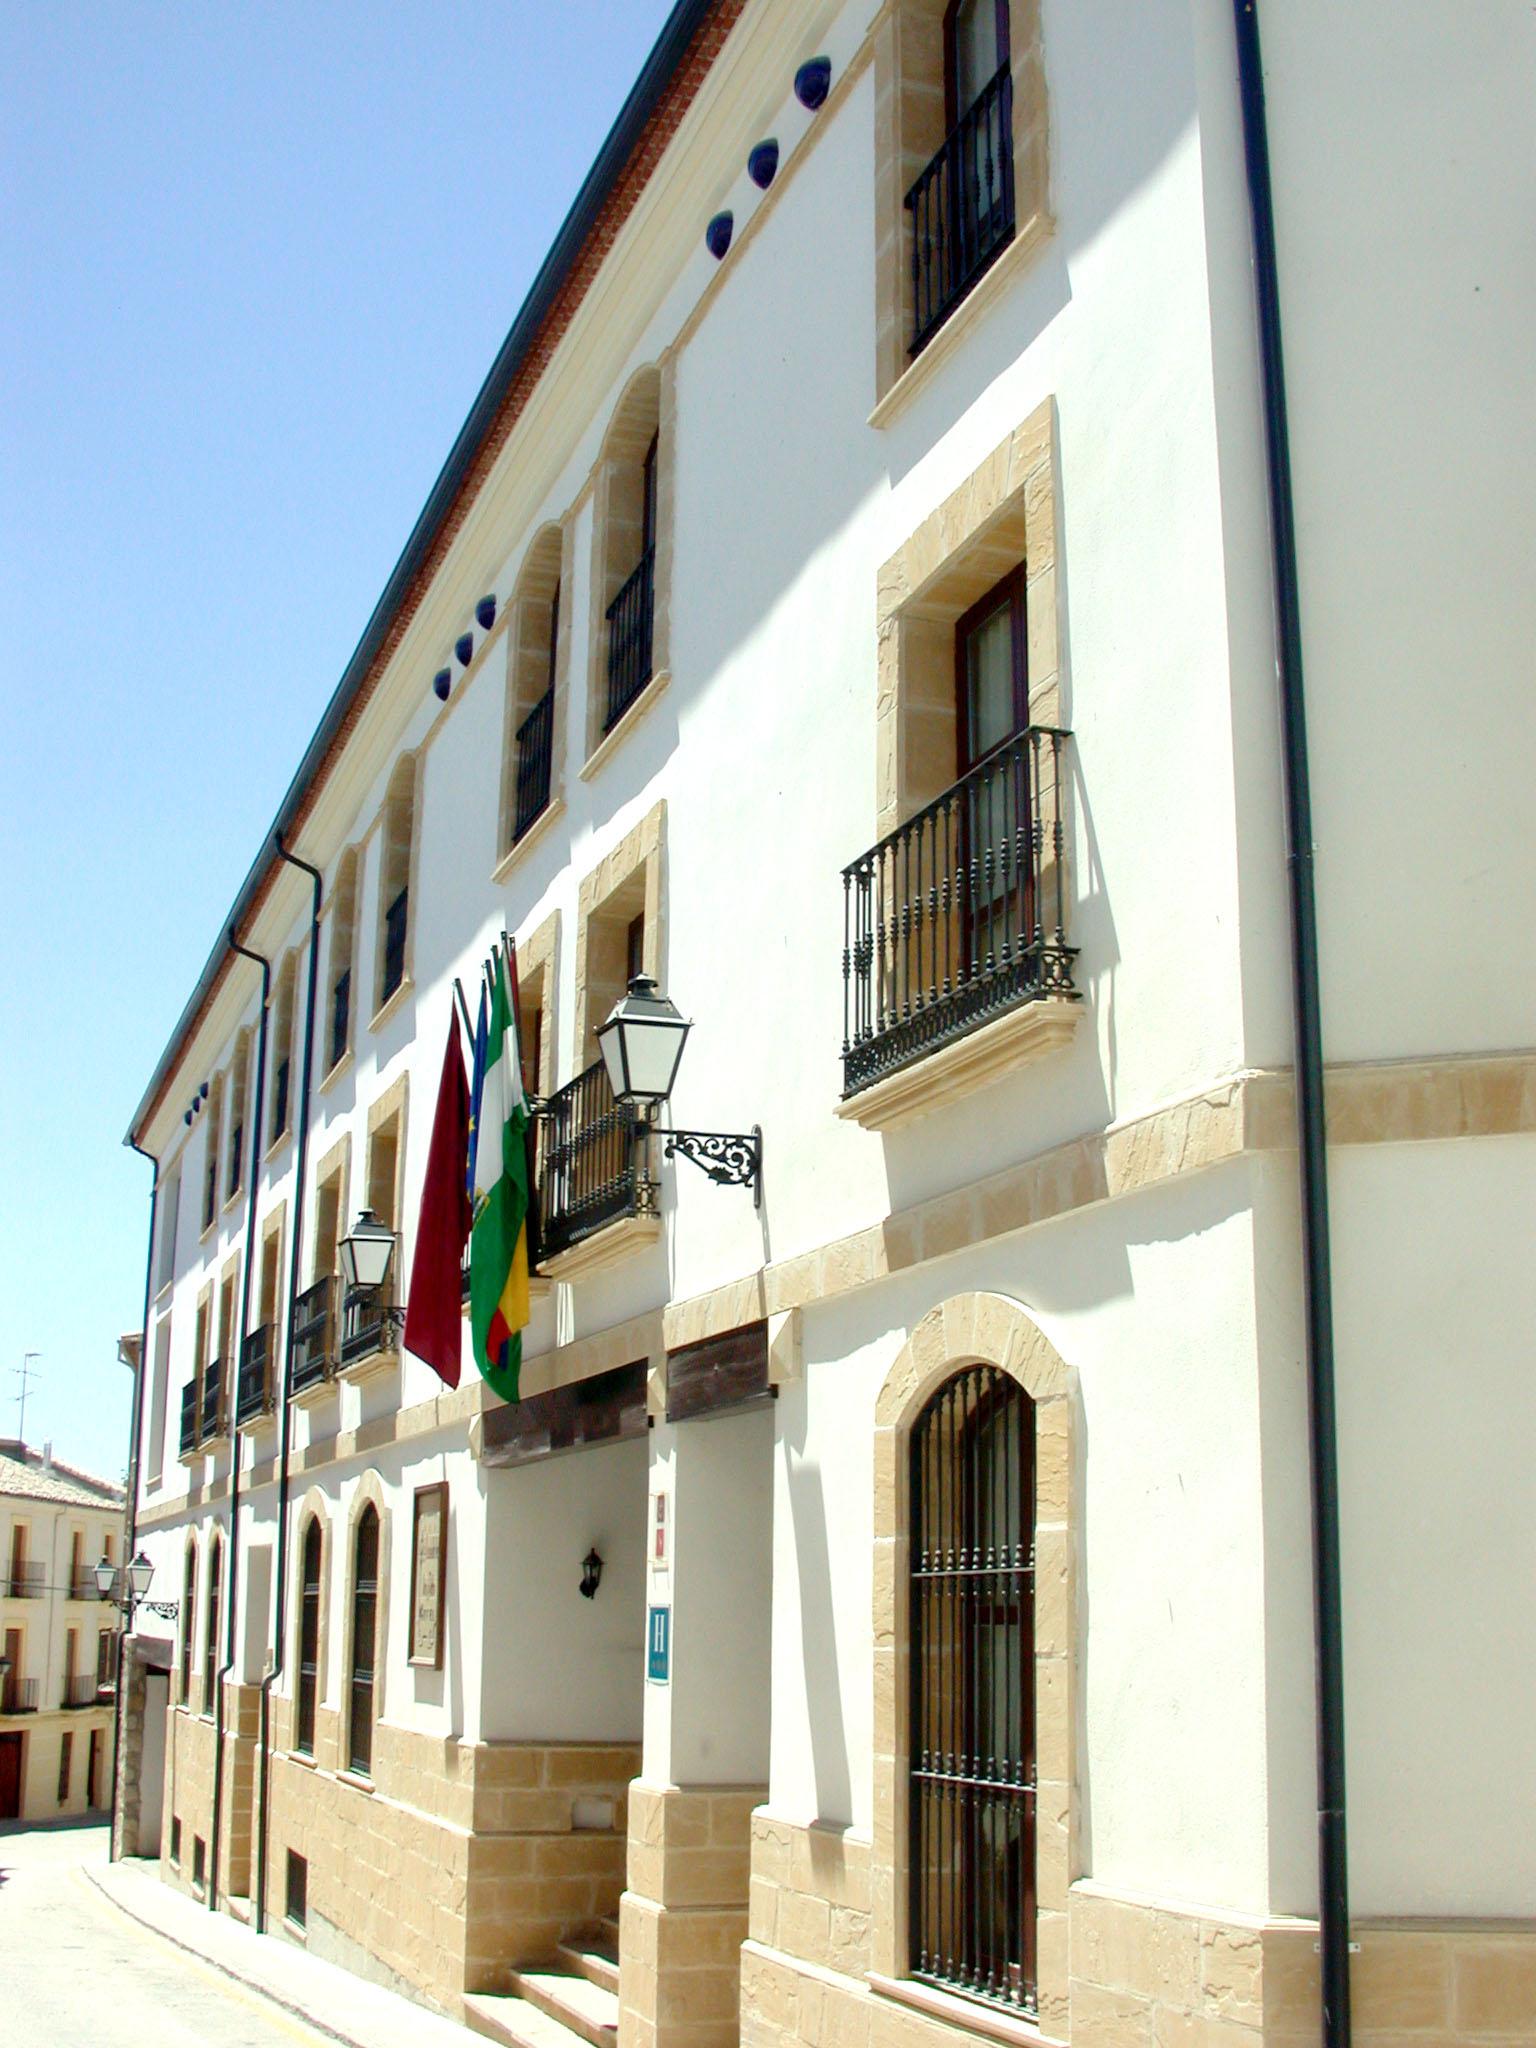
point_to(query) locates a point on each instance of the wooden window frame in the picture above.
(362, 1682)
(307, 1669)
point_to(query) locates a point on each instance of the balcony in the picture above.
(394, 944)
(83, 1586)
(25, 1582)
(254, 1387)
(190, 1434)
(962, 208)
(591, 1173)
(535, 758)
(18, 1695)
(630, 618)
(214, 1414)
(79, 1692)
(370, 1326)
(312, 1359)
(952, 923)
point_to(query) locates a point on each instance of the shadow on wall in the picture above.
(818, 1622)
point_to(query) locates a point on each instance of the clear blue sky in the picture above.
(254, 263)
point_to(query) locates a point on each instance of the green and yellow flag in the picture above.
(498, 1241)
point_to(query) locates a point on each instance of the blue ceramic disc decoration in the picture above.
(464, 647)
(441, 682)
(813, 81)
(717, 236)
(763, 162)
(485, 612)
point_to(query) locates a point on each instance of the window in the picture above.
(212, 1127)
(282, 1050)
(93, 1768)
(199, 1862)
(296, 1891)
(176, 1839)
(365, 1598)
(343, 933)
(166, 1212)
(239, 1089)
(535, 651)
(106, 1645)
(961, 160)
(309, 1639)
(211, 1626)
(158, 1391)
(66, 1758)
(971, 1848)
(395, 879)
(631, 555)
(188, 1621)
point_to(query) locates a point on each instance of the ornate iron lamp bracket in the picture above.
(733, 1158)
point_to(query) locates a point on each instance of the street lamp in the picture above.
(641, 1041)
(129, 1588)
(366, 1251)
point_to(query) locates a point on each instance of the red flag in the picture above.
(434, 1315)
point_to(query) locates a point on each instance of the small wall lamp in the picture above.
(591, 1574)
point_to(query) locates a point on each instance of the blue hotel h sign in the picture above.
(658, 1645)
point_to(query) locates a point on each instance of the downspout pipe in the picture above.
(274, 1669)
(232, 1577)
(1317, 1282)
(131, 1518)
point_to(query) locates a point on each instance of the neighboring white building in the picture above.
(876, 645)
(57, 1637)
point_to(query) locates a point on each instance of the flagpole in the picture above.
(464, 1018)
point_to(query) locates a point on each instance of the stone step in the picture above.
(500, 2016)
(586, 2008)
(596, 1959)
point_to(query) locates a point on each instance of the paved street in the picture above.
(77, 1973)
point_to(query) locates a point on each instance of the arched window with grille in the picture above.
(972, 1794)
(211, 1625)
(188, 1622)
(309, 1638)
(365, 1602)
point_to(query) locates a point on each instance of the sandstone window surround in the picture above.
(537, 971)
(240, 1133)
(158, 1393)
(188, 1619)
(365, 1662)
(972, 1329)
(167, 1210)
(629, 636)
(538, 691)
(280, 1064)
(213, 1124)
(912, 118)
(1003, 516)
(341, 963)
(211, 1622)
(393, 939)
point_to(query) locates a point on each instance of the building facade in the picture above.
(852, 603)
(58, 1684)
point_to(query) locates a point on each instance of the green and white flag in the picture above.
(498, 1242)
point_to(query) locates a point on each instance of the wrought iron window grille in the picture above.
(962, 208)
(631, 620)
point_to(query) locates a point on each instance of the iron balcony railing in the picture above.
(589, 1169)
(253, 1394)
(189, 1419)
(312, 1358)
(960, 914)
(962, 208)
(83, 1586)
(25, 1582)
(18, 1695)
(341, 1013)
(630, 619)
(368, 1323)
(535, 758)
(79, 1692)
(394, 943)
(215, 1415)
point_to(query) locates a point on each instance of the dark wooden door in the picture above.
(10, 1777)
(93, 1769)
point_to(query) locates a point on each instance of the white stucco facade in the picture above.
(1133, 1190)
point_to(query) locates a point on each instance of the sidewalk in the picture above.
(326, 1997)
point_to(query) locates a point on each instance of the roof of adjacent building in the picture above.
(684, 52)
(37, 1475)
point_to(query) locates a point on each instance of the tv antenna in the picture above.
(26, 1375)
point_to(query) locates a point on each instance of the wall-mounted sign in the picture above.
(660, 1533)
(658, 1646)
(429, 1533)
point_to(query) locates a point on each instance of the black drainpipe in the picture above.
(131, 1519)
(1317, 1283)
(232, 1395)
(274, 1669)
